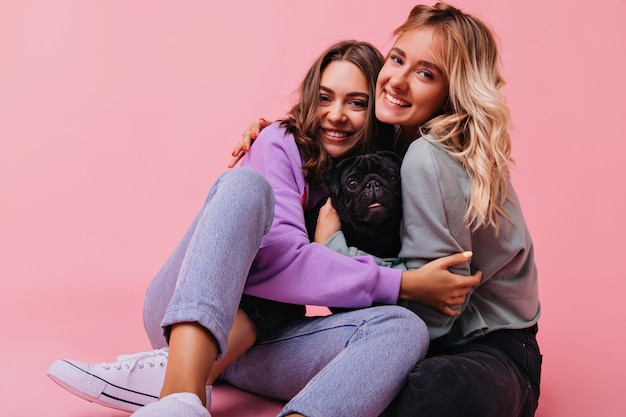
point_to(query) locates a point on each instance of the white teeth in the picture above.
(336, 134)
(396, 101)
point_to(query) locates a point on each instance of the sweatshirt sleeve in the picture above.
(288, 267)
(338, 243)
(434, 190)
(434, 193)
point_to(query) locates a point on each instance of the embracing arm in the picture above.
(435, 188)
(247, 138)
(288, 267)
(428, 282)
(432, 284)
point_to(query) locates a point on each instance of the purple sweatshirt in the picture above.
(288, 267)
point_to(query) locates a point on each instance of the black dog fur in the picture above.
(365, 192)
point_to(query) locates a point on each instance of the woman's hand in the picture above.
(327, 223)
(434, 286)
(247, 137)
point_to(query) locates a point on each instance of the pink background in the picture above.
(116, 116)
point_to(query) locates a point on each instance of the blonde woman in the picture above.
(457, 195)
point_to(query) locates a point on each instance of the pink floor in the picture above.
(97, 323)
(83, 326)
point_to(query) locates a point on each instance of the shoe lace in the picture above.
(140, 360)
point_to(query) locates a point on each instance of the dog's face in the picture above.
(365, 191)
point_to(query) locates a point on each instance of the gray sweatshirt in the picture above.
(435, 192)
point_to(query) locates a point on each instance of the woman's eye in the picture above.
(324, 98)
(395, 59)
(359, 103)
(426, 74)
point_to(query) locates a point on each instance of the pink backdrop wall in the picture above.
(115, 117)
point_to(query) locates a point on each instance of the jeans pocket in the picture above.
(523, 349)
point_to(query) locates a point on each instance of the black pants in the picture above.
(496, 375)
(269, 316)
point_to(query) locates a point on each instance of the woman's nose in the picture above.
(398, 80)
(336, 113)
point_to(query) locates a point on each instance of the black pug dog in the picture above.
(365, 192)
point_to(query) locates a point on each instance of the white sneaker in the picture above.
(128, 384)
(184, 404)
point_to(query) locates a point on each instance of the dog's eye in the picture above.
(393, 178)
(351, 184)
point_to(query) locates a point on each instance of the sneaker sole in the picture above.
(68, 376)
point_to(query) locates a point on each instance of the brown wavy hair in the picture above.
(302, 119)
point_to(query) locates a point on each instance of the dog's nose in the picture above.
(373, 185)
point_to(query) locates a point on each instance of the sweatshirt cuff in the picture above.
(387, 287)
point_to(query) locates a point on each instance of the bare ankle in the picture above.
(192, 352)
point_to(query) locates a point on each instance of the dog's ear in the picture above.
(392, 156)
(332, 180)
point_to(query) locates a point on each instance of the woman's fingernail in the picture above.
(261, 119)
(244, 148)
(467, 254)
(254, 134)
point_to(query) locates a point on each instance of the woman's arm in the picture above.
(435, 188)
(288, 267)
(247, 138)
(432, 284)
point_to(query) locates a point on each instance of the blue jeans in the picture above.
(352, 363)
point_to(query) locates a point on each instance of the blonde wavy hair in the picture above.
(475, 124)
